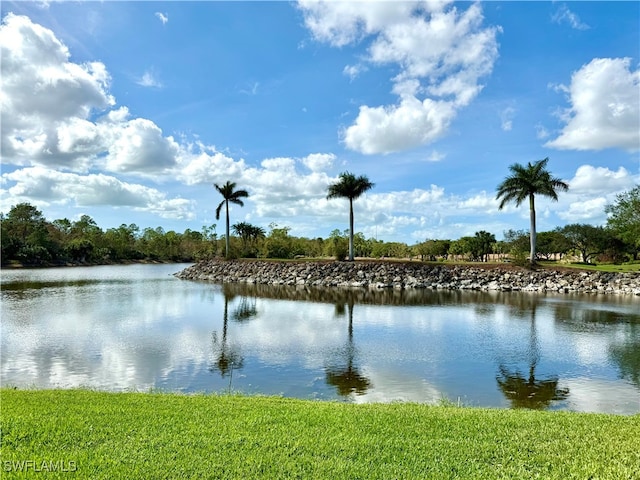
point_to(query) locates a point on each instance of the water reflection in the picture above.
(139, 327)
(528, 391)
(345, 376)
(626, 354)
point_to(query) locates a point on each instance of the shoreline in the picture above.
(412, 275)
(15, 265)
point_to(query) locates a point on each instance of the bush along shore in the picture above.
(409, 275)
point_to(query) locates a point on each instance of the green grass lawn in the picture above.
(604, 267)
(156, 436)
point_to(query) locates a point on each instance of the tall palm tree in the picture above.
(232, 195)
(527, 182)
(351, 187)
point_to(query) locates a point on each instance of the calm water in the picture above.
(138, 327)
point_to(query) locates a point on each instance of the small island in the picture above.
(382, 274)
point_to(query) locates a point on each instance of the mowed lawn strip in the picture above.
(159, 435)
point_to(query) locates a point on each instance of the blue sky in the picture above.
(130, 111)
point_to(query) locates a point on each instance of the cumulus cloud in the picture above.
(140, 147)
(317, 162)
(397, 127)
(590, 179)
(590, 189)
(48, 186)
(280, 189)
(584, 211)
(42, 91)
(72, 126)
(60, 114)
(605, 107)
(432, 84)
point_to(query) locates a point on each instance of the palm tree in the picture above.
(350, 187)
(230, 195)
(527, 182)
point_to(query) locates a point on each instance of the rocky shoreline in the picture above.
(412, 275)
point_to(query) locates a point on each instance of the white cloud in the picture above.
(317, 162)
(398, 127)
(605, 107)
(563, 14)
(41, 91)
(589, 179)
(148, 79)
(140, 147)
(436, 156)
(590, 189)
(49, 105)
(433, 83)
(541, 132)
(163, 17)
(352, 71)
(506, 118)
(584, 211)
(48, 186)
(252, 89)
(200, 164)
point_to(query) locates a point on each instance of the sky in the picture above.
(130, 112)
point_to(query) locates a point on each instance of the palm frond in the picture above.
(218, 209)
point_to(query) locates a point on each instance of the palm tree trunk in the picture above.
(351, 230)
(532, 233)
(227, 236)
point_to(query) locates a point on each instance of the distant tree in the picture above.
(25, 235)
(80, 249)
(249, 235)
(525, 183)
(230, 194)
(278, 244)
(552, 243)
(517, 244)
(586, 239)
(432, 249)
(121, 241)
(351, 187)
(482, 245)
(461, 247)
(624, 218)
(338, 245)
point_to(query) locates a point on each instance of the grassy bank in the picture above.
(138, 435)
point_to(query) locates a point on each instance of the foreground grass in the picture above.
(155, 436)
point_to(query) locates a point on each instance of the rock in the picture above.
(407, 276)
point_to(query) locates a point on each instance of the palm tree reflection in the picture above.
(346, 378)
(528, 391)
(227, 356)
(531, 392)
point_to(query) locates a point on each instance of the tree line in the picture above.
(29, 238)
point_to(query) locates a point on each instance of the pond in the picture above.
(137, 327)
